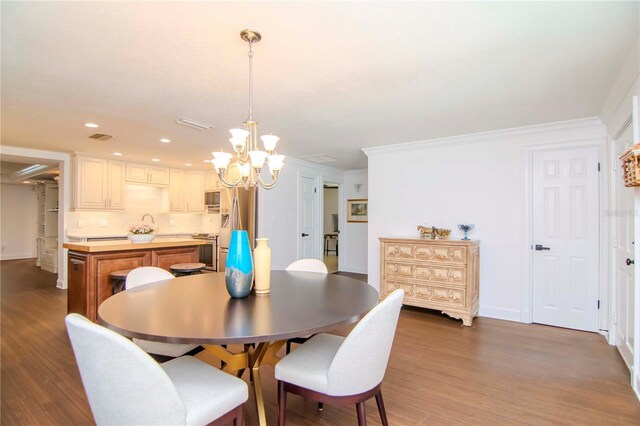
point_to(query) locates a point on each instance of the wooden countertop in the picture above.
(122, 245)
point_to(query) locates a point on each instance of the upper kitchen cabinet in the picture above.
(115, 184)
(211, 180)
(98, 184)
(141, 173)
(194, 189)
(176, 190)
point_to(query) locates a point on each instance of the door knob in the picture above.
(541, 247)
(629, 262)
(305, 235)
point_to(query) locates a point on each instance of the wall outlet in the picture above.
(80, 223)
(103, 223)
(172, 222)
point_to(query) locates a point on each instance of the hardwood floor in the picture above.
(494, 373)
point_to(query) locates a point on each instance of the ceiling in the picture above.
(329, 77)
(9, 168)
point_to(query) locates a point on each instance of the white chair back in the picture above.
(360, 363)
(308, 265)
(146, 275)
(124, 385)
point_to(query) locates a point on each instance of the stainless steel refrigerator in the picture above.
(247, 203)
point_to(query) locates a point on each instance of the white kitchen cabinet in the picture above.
(98, 184)
(141, 173)
(211, 180)
(194, 189)
(90, 191)
(158, 175)
(115, 185)
(176, 190)
(49, 259)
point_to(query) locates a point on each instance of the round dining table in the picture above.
(197, 309)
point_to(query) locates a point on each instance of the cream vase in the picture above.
(262, 259)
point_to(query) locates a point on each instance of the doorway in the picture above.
(50, 161)
(565, 232)
(30, 206)
(331, 230)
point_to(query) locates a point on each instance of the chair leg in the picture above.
(362, 415)
(383, 413)
(282, 403)
(320, 406)
(239, 419)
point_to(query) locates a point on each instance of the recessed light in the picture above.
(155, 159)
(187, 164)
(25, 181)
(117, 154)
(207, 161)
(92, 125)
(165, 140)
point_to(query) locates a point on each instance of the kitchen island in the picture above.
(90, 265)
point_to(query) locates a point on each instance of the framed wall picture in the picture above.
(358, 210)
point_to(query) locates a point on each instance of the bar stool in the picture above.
(118, 278)
(180, 269)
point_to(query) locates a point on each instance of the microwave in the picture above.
(212, 201)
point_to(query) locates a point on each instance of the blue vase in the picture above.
(239, 268)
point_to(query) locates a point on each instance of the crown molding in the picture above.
(552, 132)
(356, 172)
(309, 164)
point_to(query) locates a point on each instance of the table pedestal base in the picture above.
(249, 358)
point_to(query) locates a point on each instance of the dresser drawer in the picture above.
(432, 273)
(426, 295)
(440, 253)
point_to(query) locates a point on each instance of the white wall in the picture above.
(475, 179)
(19, 221)
(355, 234)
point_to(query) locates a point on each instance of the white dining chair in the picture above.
(343, 370)
(305, 265)
(147, 275)
(308, 265)
(125, 386)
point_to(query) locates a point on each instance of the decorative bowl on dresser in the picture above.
(434, 274)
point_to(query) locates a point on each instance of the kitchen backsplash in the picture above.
(140, 200)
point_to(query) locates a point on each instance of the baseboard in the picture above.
(500, 313)
(355, 270)
(60, 284)
(18, 256)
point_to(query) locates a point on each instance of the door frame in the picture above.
(613, 223)
(526, 305)
(341, 214)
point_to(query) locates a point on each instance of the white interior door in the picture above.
(307, 219)
(623, 246)
(565, 238)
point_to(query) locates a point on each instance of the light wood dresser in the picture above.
(434, 274)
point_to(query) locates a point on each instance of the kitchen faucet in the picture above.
(145, 215)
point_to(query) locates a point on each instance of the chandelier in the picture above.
(249, 159)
